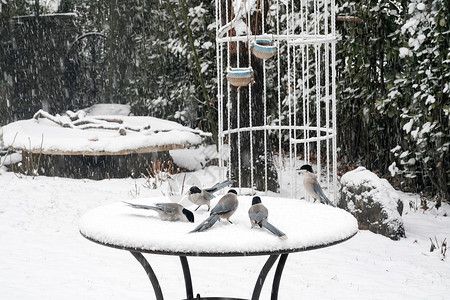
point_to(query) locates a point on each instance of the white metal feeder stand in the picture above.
(305, 124)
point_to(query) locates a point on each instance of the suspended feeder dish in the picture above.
(264, 49)
(240, 76)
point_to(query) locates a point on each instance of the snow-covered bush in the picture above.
(373, 202)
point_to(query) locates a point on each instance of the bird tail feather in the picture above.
(219, 186)
(141, 206)
(208, 223)
(329, 202)
(274, 230)
(324, 198)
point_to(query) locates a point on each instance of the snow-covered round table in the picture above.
(308, 226)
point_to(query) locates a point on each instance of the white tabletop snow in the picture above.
(306, 225)
(146, 134)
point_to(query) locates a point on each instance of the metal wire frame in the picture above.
(305, 29)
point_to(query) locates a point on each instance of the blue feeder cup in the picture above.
(264, 49)
(240, 76)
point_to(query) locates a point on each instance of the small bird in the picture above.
(224, 209)
(168, 211)
(259, 214)
(203, 197)
(312, 186)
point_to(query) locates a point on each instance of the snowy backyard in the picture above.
(43, 255)
(335, 113)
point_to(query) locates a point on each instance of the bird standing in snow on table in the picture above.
(224, 209)
(259, 214)
(173, 212)
(312, 186)
(203, 197)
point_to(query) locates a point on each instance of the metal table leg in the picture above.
(188, 281)
(262, 276)
(277, 277)
(151, 275)
(187, 278)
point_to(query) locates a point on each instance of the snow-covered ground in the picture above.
(43, 255)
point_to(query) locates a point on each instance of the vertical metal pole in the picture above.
(265, 106)
(317, 89)
(238, 121)
(229, 103)
(327, 97)
(333, 92)
(288, 21)
(219, 90)
(294, 114)
(280, 150)
(250, 102)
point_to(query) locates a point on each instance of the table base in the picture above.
(188, 281)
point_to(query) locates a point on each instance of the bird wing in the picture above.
(168, 208)
(219, 186)
(257, 217)
(220, 209)
(208, 195)
(226, 203)
(258, 213)
(321, 194)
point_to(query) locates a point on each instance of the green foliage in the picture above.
(65, 6)
(394, 91)
(151, 64)
(8, 10)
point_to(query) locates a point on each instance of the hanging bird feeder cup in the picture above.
(264, 49)
(240, 76)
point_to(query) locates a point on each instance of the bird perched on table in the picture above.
(203, 197)
(168, 211)
(259, 214)
(224, 209)
(312, 186)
